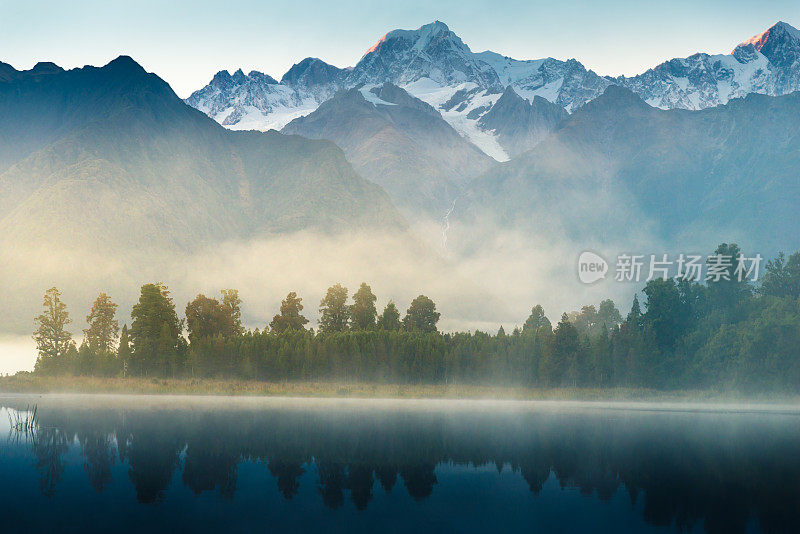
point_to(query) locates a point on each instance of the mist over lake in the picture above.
(133, 464)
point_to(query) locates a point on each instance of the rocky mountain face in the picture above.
(521, 124)
(252, 101)
(399, 142)
(110, 158)
(433, 64)
(566, 83)
(432, 52)
(314, 74)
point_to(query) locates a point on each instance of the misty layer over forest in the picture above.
(724, 334)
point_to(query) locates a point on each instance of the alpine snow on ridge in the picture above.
(433, 64)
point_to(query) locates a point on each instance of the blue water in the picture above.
(226, 466)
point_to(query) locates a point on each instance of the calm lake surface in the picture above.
(178, 464)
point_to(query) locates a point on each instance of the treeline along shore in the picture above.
(723, 335)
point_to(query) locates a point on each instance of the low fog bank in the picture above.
(345, 405)
(17, 353)
(496, 285)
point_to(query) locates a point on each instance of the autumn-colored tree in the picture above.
(207, 318)
(53, 341)
(232, 304)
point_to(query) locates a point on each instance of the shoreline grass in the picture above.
(26, 383)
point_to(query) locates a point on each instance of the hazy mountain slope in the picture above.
(124, 163)
(125, 184)
(398, 142)
(40, 105)
(618, 167)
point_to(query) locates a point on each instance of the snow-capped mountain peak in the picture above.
(313, 72)
(433, 64)
(767, 63)
(250, 101)
(429, 52)
(225, 79)
(419, 38)
(778, 31)
(781, 45)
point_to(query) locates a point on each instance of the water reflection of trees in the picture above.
(152, 453)
(49, 446)
(97, 449)
(715, 470)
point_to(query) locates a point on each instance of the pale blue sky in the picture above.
(187, 42)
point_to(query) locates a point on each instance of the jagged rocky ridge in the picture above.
(768, 63)
(433, 64)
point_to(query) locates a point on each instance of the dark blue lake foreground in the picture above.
(176, 464)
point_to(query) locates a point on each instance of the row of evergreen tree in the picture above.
(727, 333)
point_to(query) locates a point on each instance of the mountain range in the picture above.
(111, 157)
(433, 64)
(508, 168)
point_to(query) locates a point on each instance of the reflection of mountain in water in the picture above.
(721, 472)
